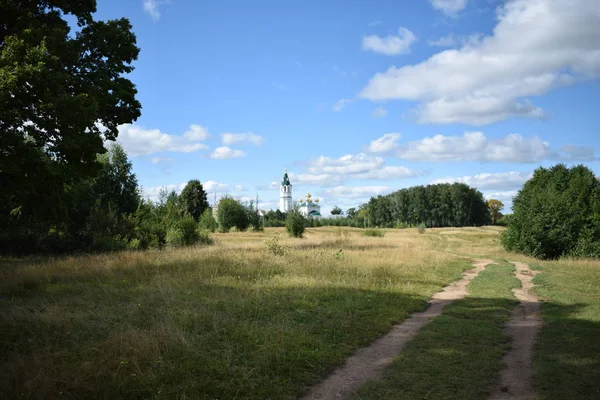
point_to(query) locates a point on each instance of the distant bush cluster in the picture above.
(373, 232)
(555, 214)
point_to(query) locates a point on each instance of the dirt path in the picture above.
(369, 363)
(516, 379)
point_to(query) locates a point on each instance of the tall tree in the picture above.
(336, 211)
(496, 207)
(61, 95)
(193, 199)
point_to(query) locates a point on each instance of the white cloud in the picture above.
(374, 23)
(231, 138)
(341, 104)
(390, 45)
(239, 188)
(449, 7)
(379, 112)
(328, 171)
(224, 153)
(212, 186)
(138, 141)
(475, 146)
(491, 181)
(161, 160)
(356, 191)
(385, 143)
(444, 41)
(196, 133)
(535, 47)
(151, 7)
(348, 164)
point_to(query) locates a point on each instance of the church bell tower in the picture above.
(285, 193)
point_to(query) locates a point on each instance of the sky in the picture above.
(357, 98)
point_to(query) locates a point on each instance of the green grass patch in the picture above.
(206, 323)
(567, 356)
(374, 232)
(458, 355)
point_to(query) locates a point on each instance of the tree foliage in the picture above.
(496, 207)
(295, 224)
(231, 214)
(556, 213)
(193, 199)
(336, 211)
(62, 94)
(433, 205)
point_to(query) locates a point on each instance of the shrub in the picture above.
(185, 232)
(231, 213)
(207, 221)
(421, 228)
(272, 246)
(295, 224)
(374, 232)
(556, 213)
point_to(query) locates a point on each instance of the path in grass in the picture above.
(516, 379)
(369, 363)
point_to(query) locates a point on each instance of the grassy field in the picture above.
(228, 321)
(237, 321)
(458, 355)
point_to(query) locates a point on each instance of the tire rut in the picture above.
(370, 362)
(515, 381)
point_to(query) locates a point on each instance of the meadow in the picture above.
(262, 315)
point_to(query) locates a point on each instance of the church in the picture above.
(306, 206)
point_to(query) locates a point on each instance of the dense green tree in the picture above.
(433, 205)
(295, 224)
(351, 212)
(61, 95)
(556, 213)
(207, 221)
(193, 199)
(336, 211)
(231, 213)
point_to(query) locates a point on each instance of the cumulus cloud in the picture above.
(328, 171)
(212, 186)
(231, 138)
(138, 141)
(224, 153)
(384, 144)
(196, 133)
(357, 191)
(535, 47)
(379, 112)
(449, 7)
(390, 45)
(152, 7)
(475, 146)
(491, 181)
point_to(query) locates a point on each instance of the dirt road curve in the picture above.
(369, 363)
(516, 379)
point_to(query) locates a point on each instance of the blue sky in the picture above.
(359, 98)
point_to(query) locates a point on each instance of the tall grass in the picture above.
(230, 320)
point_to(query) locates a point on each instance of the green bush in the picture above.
(207, 221)
(555, 214)
(421, 228)
(185, 232)
(295, 224)
(374, 232)
(231, 213)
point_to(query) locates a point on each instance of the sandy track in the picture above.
(516, 379)
(369, 363)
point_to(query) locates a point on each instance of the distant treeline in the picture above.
(440, 205)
